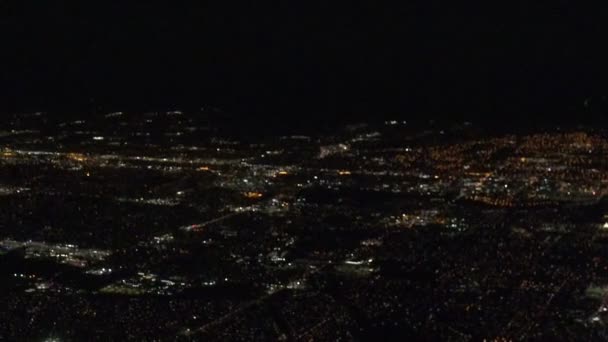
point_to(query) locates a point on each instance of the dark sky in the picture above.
(534, 59)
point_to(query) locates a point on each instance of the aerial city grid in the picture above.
(132, 226)
(302, 171)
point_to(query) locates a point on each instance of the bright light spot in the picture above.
(253, 194)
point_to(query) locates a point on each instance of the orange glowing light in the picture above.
(77, 157)
(253, 194)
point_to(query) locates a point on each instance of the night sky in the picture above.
(537, 60)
